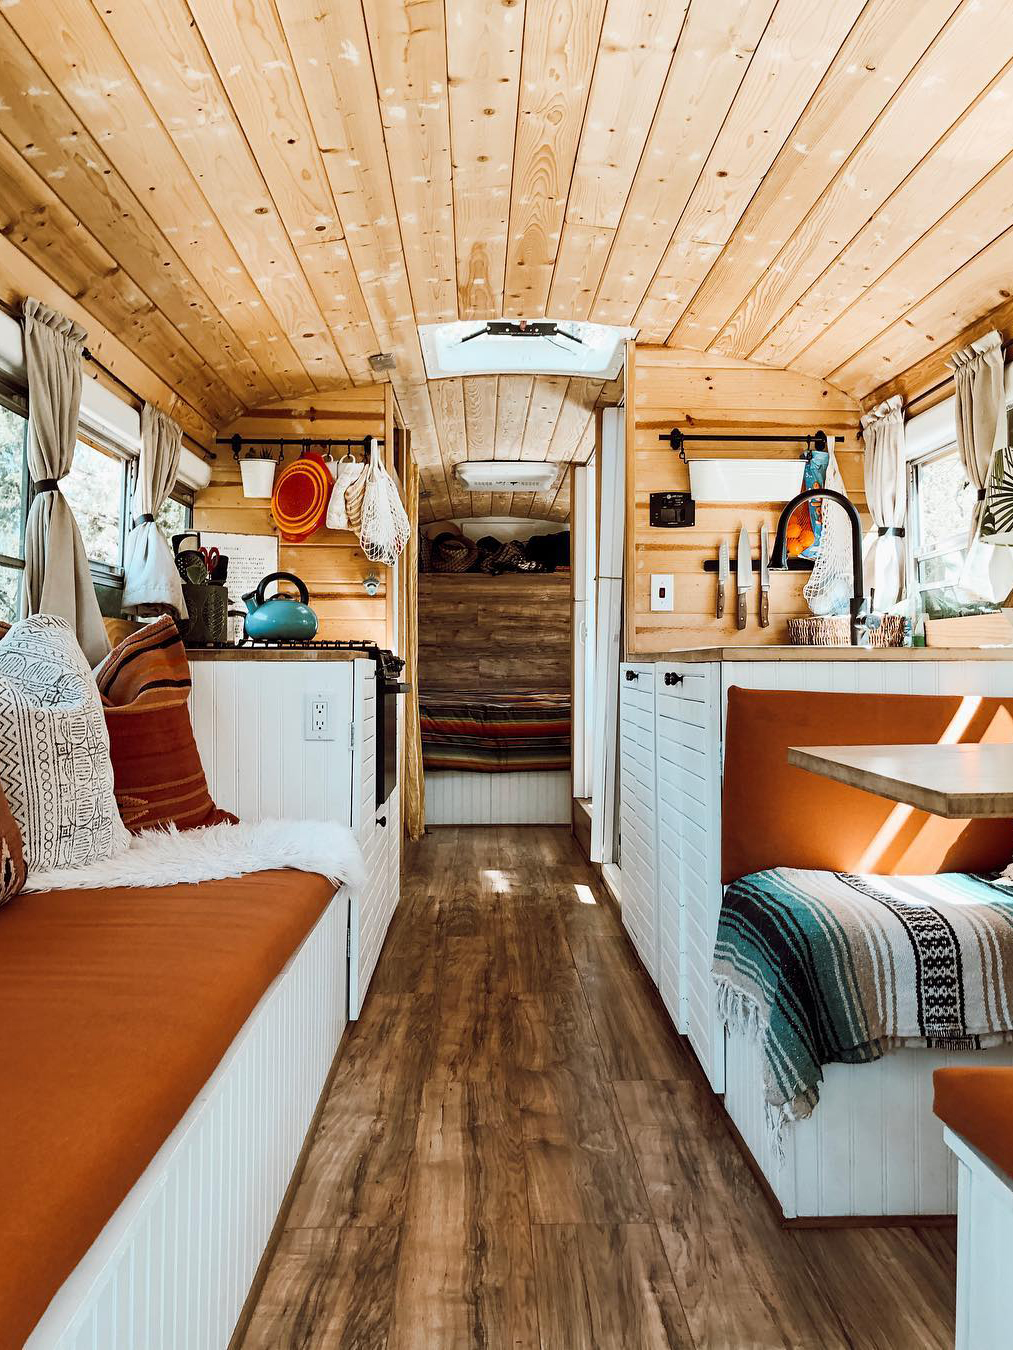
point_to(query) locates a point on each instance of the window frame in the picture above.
(103, 574)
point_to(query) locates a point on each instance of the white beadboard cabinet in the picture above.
(638, 811)
(984, 1242)
(855, 1156)
(250, 721)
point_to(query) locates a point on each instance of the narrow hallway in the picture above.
(517, 1152)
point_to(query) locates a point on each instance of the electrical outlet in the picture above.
(318, 718)
(662, 591)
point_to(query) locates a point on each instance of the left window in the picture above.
(13, 504)
(96, 489)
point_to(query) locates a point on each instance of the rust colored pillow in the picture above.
(12, 861)
(159, 779)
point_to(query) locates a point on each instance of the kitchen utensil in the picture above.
(189, 539)
(764, 578)
(207, 621)
(192, 567)
(723, 573)
(301, 493)
(743, 576)
(280, 619)
(211, 557)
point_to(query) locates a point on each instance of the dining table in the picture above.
(958, 782)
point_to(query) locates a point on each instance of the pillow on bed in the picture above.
(145, 684)
(54, 749)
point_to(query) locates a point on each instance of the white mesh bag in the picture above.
(345, 472)
(828, 590)
(384, 530)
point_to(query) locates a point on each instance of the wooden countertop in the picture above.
(772, 653)
(956, 781)
(271, 654)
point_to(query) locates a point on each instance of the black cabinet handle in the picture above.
(381, 821)
(672, 678)
(633, 674)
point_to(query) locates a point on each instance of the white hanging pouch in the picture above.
(345, 473)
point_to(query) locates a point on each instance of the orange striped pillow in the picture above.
(159, 779)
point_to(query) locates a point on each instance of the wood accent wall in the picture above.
(330, 562)
(480, 633)
(705, 392)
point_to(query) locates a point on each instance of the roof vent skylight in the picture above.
(524, 347)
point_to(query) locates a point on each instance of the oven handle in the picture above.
(396, 687)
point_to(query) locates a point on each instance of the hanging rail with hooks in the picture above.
(304, 443)
(678, 439)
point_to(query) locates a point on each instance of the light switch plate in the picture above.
(662, 591)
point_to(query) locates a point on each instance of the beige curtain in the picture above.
(151, 582)
(979, 388)
(886, 494)
(414, 799)
(57, 577)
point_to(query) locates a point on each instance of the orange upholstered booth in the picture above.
(774, 815)
(116, 1007)
(978, 1105)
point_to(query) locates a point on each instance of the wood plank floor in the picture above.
(518, 1152)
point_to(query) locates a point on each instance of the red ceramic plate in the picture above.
(301, 493)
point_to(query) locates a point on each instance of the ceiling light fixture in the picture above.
(504, 475)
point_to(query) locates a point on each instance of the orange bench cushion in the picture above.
(116, 1006)
(774, 815)
(978, 1105)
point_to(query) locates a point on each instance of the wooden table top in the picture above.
(956, 781)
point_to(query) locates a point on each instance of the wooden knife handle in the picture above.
(740, 617)
(721, 600)
(764, 609)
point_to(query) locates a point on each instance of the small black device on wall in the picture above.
(673, 510)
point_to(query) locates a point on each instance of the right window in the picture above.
(940, 505)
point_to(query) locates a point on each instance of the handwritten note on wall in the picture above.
(251, 557)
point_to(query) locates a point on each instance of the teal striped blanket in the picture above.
(829, 968)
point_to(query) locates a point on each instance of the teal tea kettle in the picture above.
(280, 619)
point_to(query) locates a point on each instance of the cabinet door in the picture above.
(638, 811)
(689, 774)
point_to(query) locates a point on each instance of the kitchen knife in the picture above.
(764, 578)
(743, 576)
(723, 573)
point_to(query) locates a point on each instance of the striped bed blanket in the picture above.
(494, 733)
(825, 967)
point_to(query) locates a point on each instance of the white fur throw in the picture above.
(170, 857)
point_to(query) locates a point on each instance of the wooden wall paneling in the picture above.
(39, 129)
(84, 62)
(793, 55)
(981, 284)
(483, 77)
(636, 49)
(876, 57)
(727, 397)
(479, 633)
(447, 397)
(480, 409)
(710, 63)
(20, 277)
(254, 65)
(929, 99)
(409, 50)
(972, 151)
(331, 562)
(561, 43)
(51, 239)
(181, 83)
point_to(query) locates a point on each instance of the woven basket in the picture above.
(835, 631)
(453, 554)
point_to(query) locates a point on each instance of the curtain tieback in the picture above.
(896, 531)
(982, 494)
(47, 485)
(145, 518)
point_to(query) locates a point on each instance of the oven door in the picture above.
(386, 741)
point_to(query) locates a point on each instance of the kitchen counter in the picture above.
(273, 654)
(746, 652)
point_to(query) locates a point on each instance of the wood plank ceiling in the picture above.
(255, 195)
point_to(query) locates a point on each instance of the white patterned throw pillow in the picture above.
(54, 748)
